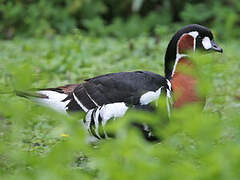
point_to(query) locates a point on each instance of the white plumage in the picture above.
(150, 96)
(79, 103)
(54, 100)
(206, 43)
(113, 110)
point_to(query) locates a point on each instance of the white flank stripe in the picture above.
(88, 118)
(91, 99)
(96, 122)
(150, 96)
(79, 103)
(104, 131)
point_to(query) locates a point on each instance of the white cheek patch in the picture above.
(206, 43)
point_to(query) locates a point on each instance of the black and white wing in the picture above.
(105, 97)
(131, 88)
(109, 96)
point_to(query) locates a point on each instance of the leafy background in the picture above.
(116, 18)
(50, 43)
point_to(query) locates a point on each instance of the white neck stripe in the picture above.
(194, 34)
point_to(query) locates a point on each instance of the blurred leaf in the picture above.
(137, 4)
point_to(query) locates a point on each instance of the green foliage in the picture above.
(189, 14)
(118, 18)
(130, 29)
(33, 140)
(38, 18)
(222, 14)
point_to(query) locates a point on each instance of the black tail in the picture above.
(26, 94)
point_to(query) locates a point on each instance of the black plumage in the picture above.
(125, 87)
(109, 96)
(170, 55)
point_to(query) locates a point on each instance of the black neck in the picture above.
(170, 57)
(171, 52)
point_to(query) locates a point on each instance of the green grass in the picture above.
(196, 145)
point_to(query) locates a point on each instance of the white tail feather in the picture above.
(54, 100)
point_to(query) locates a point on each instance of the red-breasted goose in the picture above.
(111, 95)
